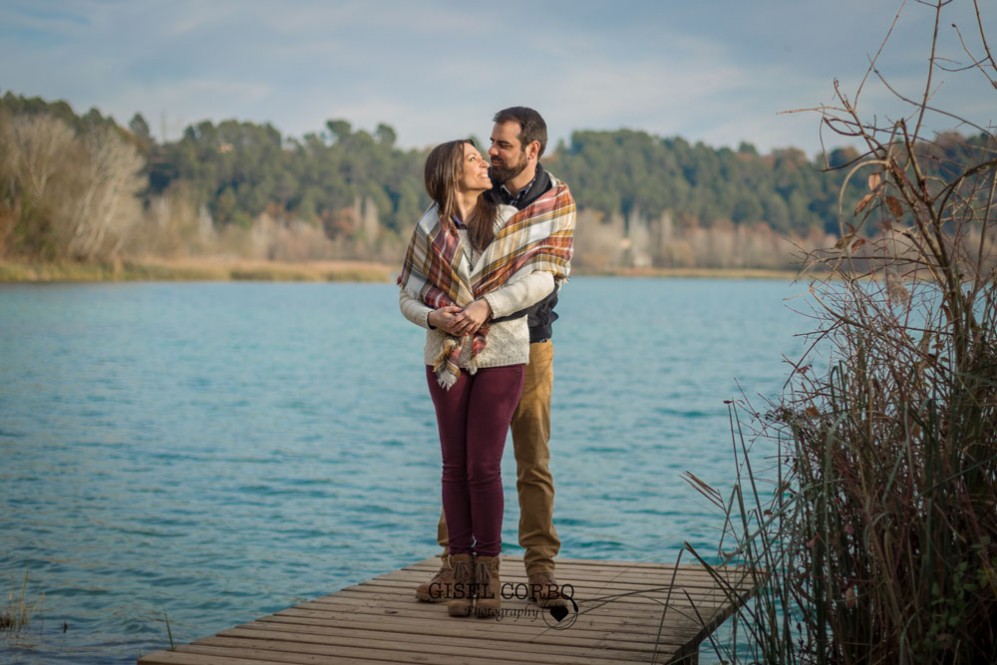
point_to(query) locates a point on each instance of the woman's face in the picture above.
(474, 175)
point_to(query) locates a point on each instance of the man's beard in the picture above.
(503, 174)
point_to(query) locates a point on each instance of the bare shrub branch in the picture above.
(880, 542)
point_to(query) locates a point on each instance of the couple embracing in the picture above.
(481, 275)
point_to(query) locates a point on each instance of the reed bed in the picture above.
(197, 269)
(871, 520)
(866, 502)
(18, 609)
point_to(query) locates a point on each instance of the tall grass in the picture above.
(18, 608)
(873, 526)
(196, 269)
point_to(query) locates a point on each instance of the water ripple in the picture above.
(210, 453)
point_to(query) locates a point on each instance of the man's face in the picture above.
(507, 155)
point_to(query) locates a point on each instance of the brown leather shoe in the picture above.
(545, 592)
(439, 587)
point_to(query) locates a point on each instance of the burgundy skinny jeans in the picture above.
(473, 419)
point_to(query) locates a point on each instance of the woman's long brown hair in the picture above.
(444, 166)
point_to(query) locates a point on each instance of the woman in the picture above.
(471, 261)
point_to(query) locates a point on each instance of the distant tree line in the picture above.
(83, 187)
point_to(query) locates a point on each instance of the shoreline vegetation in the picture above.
(872, 538)
(16, 614)
(196, 270)
(82, 189)
(222, 269)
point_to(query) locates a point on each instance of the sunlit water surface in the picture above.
(210, 453)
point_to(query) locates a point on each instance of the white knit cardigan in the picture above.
(508, 341)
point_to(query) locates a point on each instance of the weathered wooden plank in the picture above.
(526, 639)
(587, 626)
(598, 619)
(608, 604)
(622, 618)
(444, 652)
(259, 655)
(698, 589)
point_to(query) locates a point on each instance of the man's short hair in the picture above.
(531, 125)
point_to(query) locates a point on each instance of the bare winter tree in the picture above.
(107, 206)
(40, 145)
(35, 167)
(66, 196)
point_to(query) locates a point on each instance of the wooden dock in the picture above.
(626, 613)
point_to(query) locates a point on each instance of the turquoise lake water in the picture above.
(214, 452)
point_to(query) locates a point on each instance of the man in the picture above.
(518, 140)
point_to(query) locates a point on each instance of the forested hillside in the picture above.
(83, 187)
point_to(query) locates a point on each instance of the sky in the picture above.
(721, 72)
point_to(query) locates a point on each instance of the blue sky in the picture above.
(717, 71)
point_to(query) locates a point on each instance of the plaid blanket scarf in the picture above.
(537, 238)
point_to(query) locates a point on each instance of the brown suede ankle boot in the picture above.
(488, 586)
(462, 588)
(437, 588)
(545, 591)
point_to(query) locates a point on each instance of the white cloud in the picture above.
(719, 72)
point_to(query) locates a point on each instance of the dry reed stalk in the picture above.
(878, 537)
